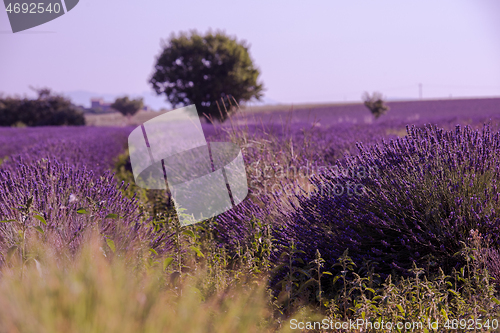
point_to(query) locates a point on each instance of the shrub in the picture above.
(46, 110)
(375, 104)
(128, 107)
(63, 203)
(430, 189)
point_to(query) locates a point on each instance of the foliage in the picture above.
(47, 110)
(201, 69)
(426, 193)
(375, 103)
(128, 107)
(99, 291)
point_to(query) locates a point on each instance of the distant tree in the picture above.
(47, 110)
(375, 103)
(128, 107)
(8, 111)
(211, 71)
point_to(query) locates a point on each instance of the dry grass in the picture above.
(117, 119)
(94, 293)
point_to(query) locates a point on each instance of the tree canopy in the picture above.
(128, 107)
(375, 103)
(206, 70)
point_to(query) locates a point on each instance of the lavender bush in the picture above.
(59, 184)
(280, 160)
(431, 189)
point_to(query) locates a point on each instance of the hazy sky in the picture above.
(307, 51)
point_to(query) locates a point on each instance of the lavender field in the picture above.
(417, 111)
(348, 217)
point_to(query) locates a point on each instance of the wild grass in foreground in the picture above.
(97, 290)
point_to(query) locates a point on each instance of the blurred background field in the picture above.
(335, 113)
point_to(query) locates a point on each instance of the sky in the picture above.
(307, 52)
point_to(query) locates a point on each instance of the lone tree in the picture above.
(375, 103)
(214, 72)
(128, 107)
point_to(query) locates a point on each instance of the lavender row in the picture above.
(431, 189)
(64, 175)
(91, 147)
